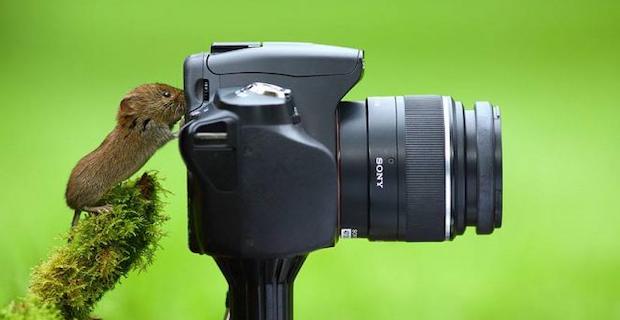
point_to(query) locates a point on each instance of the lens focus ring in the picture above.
(425, 168)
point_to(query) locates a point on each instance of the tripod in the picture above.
(260, 289)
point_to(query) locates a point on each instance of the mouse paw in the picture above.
(100, 209)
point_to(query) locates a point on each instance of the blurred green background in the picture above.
(552, 66)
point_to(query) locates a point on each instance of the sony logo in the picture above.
(379, 171)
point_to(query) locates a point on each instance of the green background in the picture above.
(552, 66)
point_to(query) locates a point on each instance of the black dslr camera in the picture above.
(279, 166)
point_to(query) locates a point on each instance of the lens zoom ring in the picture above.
(425, 168)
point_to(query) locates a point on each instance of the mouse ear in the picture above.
(126, 106)
(126, 112)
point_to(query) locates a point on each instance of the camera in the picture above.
(279, 166)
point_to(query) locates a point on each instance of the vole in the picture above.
(145, 119)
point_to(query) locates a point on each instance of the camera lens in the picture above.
(418, 168)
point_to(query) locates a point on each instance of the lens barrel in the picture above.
(418, 168)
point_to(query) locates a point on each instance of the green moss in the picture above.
(102, 250)
(30, 308)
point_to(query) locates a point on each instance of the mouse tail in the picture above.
(74, 222)
(76, 218)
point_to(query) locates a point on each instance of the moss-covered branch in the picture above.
(103, 249)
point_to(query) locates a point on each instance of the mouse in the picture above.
(144, 123)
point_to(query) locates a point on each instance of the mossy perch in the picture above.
(103, 248)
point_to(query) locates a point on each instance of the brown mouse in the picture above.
(144, 124)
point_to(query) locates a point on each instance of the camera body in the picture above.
(279, 166)
(268, 187)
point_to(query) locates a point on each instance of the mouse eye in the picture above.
(166, 94)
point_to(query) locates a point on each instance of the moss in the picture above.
(30, 308)
(102, 250)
